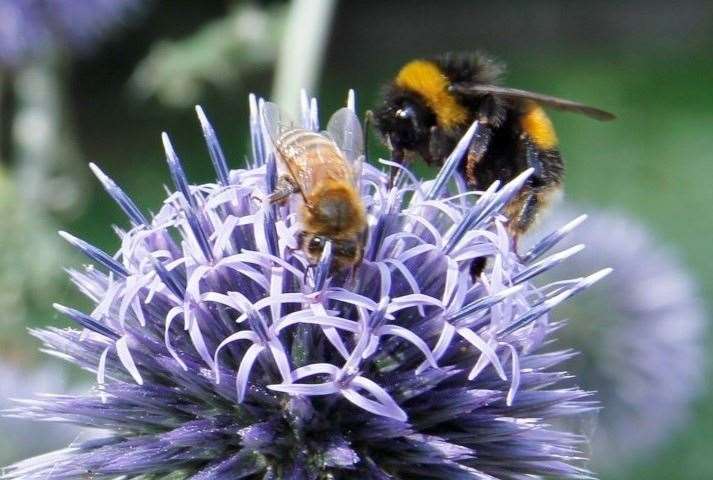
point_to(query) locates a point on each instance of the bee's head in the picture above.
(404, 120)
(347, 251)
(335, 213)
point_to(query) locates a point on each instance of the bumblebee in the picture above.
(431, 103)
(324, 169)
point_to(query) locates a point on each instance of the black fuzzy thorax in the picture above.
(470, 67)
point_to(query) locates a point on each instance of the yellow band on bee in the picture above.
(538, 126)
(426, 79)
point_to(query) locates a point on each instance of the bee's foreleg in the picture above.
(440, 146)
(285, 187)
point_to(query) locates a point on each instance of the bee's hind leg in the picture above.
(524, 218)
(284, 188)
(521, 213)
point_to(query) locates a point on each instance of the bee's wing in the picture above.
(345, 129)
(548, 100)
(276, 124)
(275, 120)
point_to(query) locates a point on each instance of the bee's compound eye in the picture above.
(316, 244)
(405, 113)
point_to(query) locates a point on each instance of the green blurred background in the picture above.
(650, 62)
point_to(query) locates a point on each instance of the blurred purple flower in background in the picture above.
(640, 336)
(28, 28)
(220, 354)
(20, 438)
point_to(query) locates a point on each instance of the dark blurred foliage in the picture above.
(648, 61)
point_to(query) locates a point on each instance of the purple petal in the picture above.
(306, 389)
(172, 314)
(246, 365)
(385, 405)
(281, 360)
(122, 350)
(487, 353)
(410, 337)
(241, 335)
(308, 318)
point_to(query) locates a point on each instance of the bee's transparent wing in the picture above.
(345, 129)
(274, 120)
(275, 124)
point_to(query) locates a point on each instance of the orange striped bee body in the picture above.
(324, 169)
(431, 103)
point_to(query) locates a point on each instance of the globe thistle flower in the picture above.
(643, 329)
(30, 27)
(220, 353)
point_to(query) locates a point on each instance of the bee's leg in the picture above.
(545, 179)
(487, 118)
(477, 148)
(284, 188)
(397, 156)
(521, 210)
(527, 213)
(523, 219)
(439, 147)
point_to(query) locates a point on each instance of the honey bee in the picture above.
(430, 104)
(324, 169)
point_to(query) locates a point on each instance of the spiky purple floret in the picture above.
(219, 353)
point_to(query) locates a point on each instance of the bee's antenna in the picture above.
(368, 121)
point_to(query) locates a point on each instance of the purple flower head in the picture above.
(220, 353)
(643, 329)
(30, 27)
